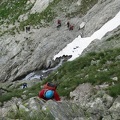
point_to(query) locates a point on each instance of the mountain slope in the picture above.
(89, 86)
(26, 52)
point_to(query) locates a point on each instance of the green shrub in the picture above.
(9, 95)
(115, 90)
(79, 71)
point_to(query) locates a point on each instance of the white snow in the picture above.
(76, 47)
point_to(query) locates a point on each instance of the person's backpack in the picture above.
(49, 94)
(50, 86)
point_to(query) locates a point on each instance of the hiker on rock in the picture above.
(24, 85)
(58, 23)
(68, 24)
(71, 27)
(49, 92)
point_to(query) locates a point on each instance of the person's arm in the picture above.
(56, 96)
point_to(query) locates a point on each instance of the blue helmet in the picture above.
(49, 94)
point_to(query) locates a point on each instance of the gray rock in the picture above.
(107, 117)
(82, 93)
(106, 43)
(118, 57)
(26, 52)
(99, 106)
(115, 109)
(115, 78)
(66, 110)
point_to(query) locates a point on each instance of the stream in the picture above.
(41, 74)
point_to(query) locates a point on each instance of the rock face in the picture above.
(100, 14)
(28, 51)
(40, 5)
(106, 43)
(91, 104)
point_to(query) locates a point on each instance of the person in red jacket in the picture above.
(71, 27)
(49, 92)
(58, 24)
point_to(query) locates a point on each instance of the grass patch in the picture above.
(9, 95)
(115, 37)
(36, 115)
(12, 9)
(79, 71)
(30, 92)
(115, 90)
(38, 18)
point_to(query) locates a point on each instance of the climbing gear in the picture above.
(50, 86)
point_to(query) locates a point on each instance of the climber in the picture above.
(68, 24)
(24, 85)
(49, 92)
(58, 23)
(27, 29)
(71, 27)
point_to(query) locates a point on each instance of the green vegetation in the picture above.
(24, 115)
(114, 90)
(9, 95)
(46, 16)
(115, 37)
(30, 92)
(79, 71)
(12, 9)
(73, 73)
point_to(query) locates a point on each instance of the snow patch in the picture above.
(76, 47)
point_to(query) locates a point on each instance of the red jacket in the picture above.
(56, 96)
(59, 22)
(71, 27)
